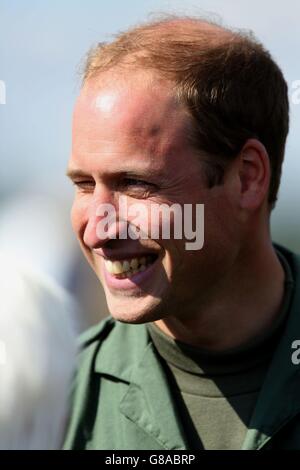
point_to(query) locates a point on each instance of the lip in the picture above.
(124, 256)
(135, 281)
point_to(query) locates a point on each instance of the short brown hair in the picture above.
(228, 81)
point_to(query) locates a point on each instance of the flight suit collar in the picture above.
(148, 401)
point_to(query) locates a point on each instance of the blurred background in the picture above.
(42, 44)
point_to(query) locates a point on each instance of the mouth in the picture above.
(130, 267)
(131, 274)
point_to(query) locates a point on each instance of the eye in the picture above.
(137, 187)
(135, 182)
(84, 185)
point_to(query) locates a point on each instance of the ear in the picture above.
(254, 175)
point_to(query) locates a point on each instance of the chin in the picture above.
(136, 310)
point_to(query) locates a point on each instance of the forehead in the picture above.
(136, 116)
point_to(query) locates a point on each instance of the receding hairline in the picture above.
(185, 28)
(183, 22)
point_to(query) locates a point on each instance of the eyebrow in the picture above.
(76, 173)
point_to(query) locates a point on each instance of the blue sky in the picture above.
(41, 46)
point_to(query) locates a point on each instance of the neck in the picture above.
(245, 305)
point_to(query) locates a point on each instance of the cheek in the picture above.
(175, 260)
(78, 218)
(221, 223)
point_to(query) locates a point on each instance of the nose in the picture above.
(100, 213)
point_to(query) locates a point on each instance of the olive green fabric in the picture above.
(216, 391)
(123, 398)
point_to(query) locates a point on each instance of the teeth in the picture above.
(134, 263)
(109, 266)
(129, 267)
(117, 267)
(126, 266)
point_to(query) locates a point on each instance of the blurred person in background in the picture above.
(34, 229)
(197, 352)
(38, 329)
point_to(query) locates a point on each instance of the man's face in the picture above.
(130, 140)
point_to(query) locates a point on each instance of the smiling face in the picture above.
(130, 140)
